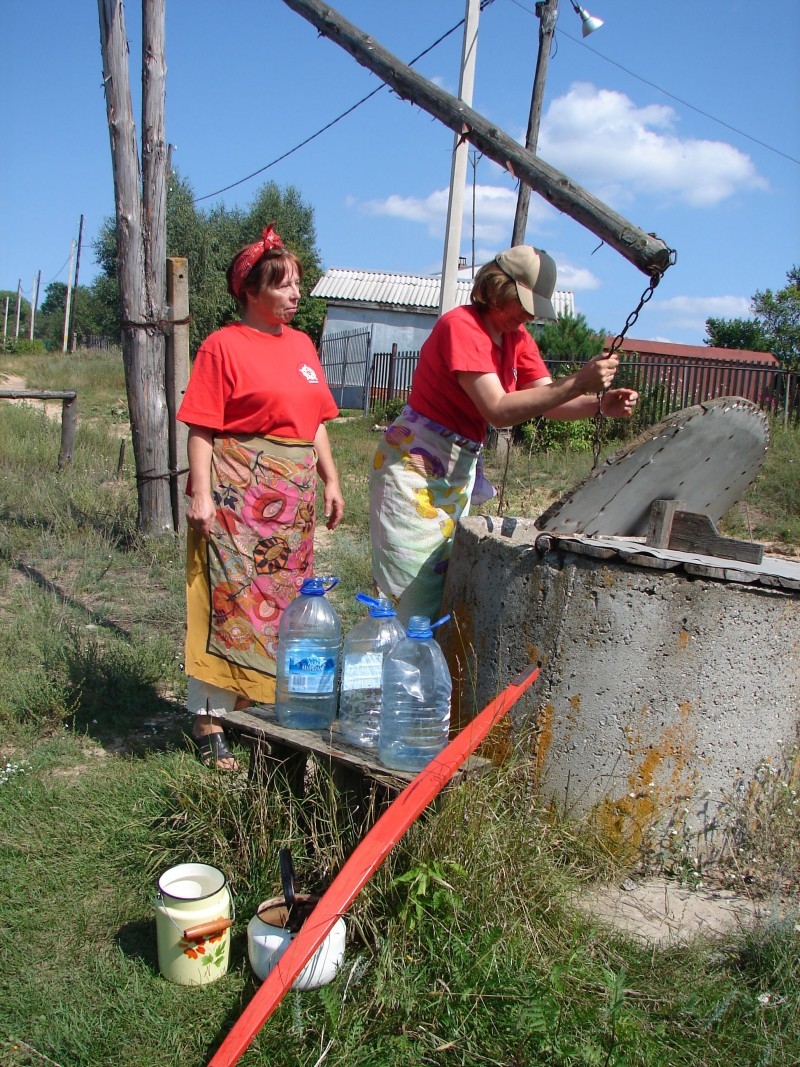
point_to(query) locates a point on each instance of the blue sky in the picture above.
(680, 116)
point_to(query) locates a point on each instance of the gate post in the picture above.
(176, 380)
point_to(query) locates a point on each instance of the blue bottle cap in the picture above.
(379, 607)
(318, 586)
(420, 626)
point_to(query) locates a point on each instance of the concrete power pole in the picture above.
(34, 300)
(19, 306)
(68, 301)
(458, 171)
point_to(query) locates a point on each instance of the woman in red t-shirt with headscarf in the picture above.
(256, 406)
(478, 367)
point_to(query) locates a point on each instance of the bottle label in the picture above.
(307, 672)
(362, 670)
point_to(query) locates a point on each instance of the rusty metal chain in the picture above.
(655, 278)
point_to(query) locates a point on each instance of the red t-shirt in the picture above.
(244, 381)
(460, 342)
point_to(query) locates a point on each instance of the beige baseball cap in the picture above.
(535, 274)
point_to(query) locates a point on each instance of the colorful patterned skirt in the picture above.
(239, 583)
(420, 485)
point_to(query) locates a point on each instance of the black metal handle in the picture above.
(287, 880)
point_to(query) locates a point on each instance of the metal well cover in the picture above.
(707, 456)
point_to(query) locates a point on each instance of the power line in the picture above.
(685, 103)
(483, 4)
(658, 88)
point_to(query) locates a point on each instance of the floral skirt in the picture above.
(420, 485)
(239, 583)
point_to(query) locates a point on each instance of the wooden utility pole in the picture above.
(141, 243)
(177, 378)
(73, 333)
(547, 12)
(650, 254)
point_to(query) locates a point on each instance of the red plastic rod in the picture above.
(361, 865)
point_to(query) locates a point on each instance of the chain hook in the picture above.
(655, 278)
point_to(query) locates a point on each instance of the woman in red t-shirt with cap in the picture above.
(256, 406)
(479, 367)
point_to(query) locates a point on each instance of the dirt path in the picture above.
(52, 408)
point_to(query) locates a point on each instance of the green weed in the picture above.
(465, 946)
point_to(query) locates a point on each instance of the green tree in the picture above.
(24, 313)
(210, 239)
(780, 315)
(569, 340)
(49, 325)
(775, 326)
(742, 334)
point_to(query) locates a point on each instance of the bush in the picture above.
(388, 412)
(25, 347)
(553, 435)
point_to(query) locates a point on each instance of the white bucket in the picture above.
(267, 940)
(193, 920)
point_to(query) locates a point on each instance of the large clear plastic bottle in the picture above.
(415, 706)
(309, 640)
(363, 653)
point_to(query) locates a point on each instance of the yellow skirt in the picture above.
(257, 687)
(239, 584)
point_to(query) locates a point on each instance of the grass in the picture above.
(464, 948)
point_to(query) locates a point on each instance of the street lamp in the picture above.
(547, 13)
(589, 24)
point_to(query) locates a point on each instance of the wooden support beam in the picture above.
(686, 531)
(645, 251)
(662, 514)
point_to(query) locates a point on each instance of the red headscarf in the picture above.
(249, 256)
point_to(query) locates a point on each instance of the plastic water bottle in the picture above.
(309, 639)
(363, 653)
(415, 709)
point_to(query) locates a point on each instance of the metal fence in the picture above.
(345, 358)
(671, 385)
(664, 385)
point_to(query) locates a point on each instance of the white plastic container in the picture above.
(309, 643)
(363, 652)
(267, 940)
(415, 707)
(193, 920)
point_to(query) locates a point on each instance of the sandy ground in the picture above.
(659, 911)
(14, 381)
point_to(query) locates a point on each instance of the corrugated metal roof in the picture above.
(403, 290)
(667, 349)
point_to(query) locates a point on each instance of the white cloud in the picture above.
(494, 212)
(576, 279)
(691, 312)
(618, 150)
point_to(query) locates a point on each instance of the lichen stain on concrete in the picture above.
(663, 773)
(572, 718)
(544, 736)
(458, 643)
(536, 656)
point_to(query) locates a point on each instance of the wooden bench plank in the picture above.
(329, 747)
